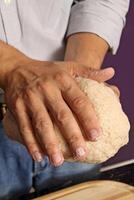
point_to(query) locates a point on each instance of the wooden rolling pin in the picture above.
(94, 190)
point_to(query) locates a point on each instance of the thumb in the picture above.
(76, 69)
(100, 75)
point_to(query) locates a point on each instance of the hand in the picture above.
(12, 129)
(36, 92)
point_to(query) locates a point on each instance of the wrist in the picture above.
(87, 49)
(93, 61)
(9, 60)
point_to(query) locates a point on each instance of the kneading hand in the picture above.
(37, 92)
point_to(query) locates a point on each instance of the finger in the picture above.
(66, 122)
(43, 127)
(100, 75)
(80, 105)
(11, 128)
(26, 131)
(75, 69)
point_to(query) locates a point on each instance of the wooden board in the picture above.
(94, 190)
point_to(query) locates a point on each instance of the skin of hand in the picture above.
(15, 134)
(36, 89)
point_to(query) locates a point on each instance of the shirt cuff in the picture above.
(88, 16)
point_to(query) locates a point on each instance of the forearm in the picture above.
(9, 59)
(87, 49)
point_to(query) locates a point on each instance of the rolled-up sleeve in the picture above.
(106, 18)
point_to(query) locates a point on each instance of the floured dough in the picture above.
(114, 123)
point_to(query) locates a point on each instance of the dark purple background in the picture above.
(124, 79)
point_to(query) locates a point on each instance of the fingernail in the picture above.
(80, 152)
(94, 134)
(37, 156)
(57, 159)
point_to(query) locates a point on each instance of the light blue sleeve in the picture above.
(106, 18)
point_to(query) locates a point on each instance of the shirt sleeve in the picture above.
(106, 18)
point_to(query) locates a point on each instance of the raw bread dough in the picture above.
(114, 123)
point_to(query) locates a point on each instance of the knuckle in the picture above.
(31, 145)
(51, 147)
(25, 130)
(79, 102)
(88, 121)
(41, 125)
(62, 117)
(61, 76)
(64, 80)
(27, 93)
(45, 84)
(89, 124)
(73, 139)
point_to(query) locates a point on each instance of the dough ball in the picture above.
(113, 121)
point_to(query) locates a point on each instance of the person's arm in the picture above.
(94, 27)
(87, 49)
(9, 60)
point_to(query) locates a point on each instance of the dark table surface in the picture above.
(123, 174)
